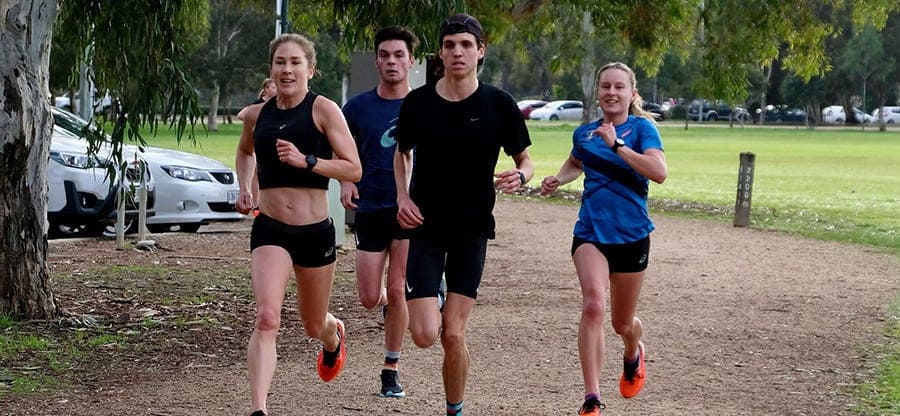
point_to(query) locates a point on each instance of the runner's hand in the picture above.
(549, 185)
(408, 214)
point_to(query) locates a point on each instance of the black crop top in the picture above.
(296, 126)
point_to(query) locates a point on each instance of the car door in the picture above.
(571, 111)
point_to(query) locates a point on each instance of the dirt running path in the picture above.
(737, 322)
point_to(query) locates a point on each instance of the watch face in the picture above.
(620, 142)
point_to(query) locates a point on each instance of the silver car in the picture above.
(191, 190)
(80, 199)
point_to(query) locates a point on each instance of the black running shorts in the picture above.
(374, 230)
(310, 245)
(622, 258)
(460, 261)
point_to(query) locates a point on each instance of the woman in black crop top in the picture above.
(296, 142)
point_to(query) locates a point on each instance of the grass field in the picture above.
(832, 184)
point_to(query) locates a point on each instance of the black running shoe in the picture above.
(258, 413)
(591, 407)
(390, 387)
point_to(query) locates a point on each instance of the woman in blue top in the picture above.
(611, 243)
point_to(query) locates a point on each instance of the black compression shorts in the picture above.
(461, 261)
(375, 230)
(310, 245)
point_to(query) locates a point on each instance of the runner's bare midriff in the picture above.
(294, 206)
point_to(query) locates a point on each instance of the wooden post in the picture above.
(744, 190)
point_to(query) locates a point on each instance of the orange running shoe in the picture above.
(591, 407)
(631, 384)
(326, 372)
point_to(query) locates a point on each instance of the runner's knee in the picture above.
(369, 299)
(452, 340)
(594, 309)
(268, 319)
(423, 338)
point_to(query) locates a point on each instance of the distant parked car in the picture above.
(100, 104)
(191, 190)
(780, 114)
(834, 114)
(527, 106)
(717, 110)
(657, 110)
(891, 114)
(559, 110)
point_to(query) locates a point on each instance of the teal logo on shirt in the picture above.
(387, 138)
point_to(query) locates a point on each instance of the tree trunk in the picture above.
(587, 70)
(25, 123)
(212, 120)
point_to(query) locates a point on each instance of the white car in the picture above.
(80, 200)
(559, 110)
(891, 114)
(834, 114)
(191, 190)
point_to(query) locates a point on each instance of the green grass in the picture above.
(829, 184)
(219, 145)
(881, 395)
(840, 185)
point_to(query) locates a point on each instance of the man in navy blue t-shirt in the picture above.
(372, 117)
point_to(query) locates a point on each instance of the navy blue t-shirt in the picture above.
(372, 122)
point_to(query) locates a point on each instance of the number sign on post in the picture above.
(744, 190)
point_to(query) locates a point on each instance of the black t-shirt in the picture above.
(457, 145)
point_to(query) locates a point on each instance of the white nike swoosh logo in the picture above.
(408, 288)
(282, 126)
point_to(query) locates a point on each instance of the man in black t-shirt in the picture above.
(457, 127)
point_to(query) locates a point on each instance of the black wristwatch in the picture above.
(619, 143)
(521, 177)
(311, 161)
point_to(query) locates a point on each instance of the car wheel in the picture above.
(159, 228)
(78, 230)
(713, 117)
(890, 121)
(554, 117)
(130, 227)
(838, 120)
(189, 228)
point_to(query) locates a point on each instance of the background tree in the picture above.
(137, 51)
(234, 56)
(862, 60)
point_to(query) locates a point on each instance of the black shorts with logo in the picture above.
(622, 258)
(374, 230)
(310, 245)
(461, 261)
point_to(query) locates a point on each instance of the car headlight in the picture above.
(187, 174)
(76, 160)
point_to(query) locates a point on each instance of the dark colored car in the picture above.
(716, 110)
(784, 115)
(658, 113)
